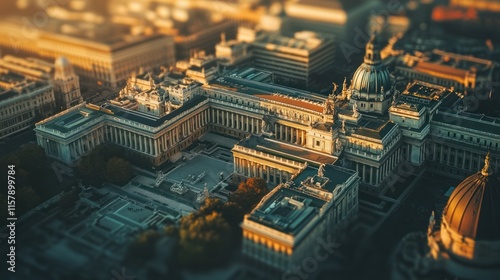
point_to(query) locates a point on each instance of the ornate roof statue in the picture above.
(355, 112)
(321, 170)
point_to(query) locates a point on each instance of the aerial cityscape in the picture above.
(250, 139)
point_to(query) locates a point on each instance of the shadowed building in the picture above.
(465, 241)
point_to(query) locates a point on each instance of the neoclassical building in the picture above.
(425, 125)
(294, 218)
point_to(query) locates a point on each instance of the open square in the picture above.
(200, 170)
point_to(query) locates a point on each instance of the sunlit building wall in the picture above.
(294, 61)
(104, 55)
(300, 218)
(109, 65)
(22, 102)
(487, 5)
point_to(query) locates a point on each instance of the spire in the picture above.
(486, 169)
(223, 37)
(372, 55)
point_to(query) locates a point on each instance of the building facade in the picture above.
(462, 72)
(102, 54)
(424, 125)
(286, 226)
(294, 60)
(23, 101)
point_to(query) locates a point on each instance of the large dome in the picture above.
(473, 209)
(371, 78)
(372, 75)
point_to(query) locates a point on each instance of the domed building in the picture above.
(371, 83)
(467, 244)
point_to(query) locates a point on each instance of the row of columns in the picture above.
(235, 120)
(290, 134)
(471, 156)
(250, 168)
(86, 143)
(373, 175)
(155, 147)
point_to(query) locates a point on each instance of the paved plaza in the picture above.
(200, 171)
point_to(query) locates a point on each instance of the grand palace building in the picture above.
(363, 134)
(425, 124)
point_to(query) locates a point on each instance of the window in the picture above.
(317, 143)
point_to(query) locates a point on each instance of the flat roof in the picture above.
(286, 150)
(287, 210)
(292, 101)
(291, 209)
(374, 128)
(336, 175)
(282, 43)
(236, 83)
(72, 119)
(151, 120)
(476, 122)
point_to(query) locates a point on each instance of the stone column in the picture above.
(371, 175)
(364, 174)
(441, 155)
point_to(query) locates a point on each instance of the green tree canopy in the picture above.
(118, 171)
(91, 169)
(204, 241)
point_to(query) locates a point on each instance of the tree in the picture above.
(118, 171)
(230, 211)
(33, 159)
(249, 193)
(91, 169)
(204, 240)
(143, 248)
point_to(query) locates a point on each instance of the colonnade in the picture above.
(459, 158)
(235, 120)
(290, 134)
(250, 168)
(375, 175)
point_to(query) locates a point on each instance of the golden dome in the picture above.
(473, 209)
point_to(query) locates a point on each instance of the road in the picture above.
(14, 142)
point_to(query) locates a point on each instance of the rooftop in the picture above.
(335, 176)
(374, 128)
(477, 122)
(286, 44)
(240, 82)
(72, 119)
(291, 209)
(287, 210)
(451, 64)
(285, 150)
